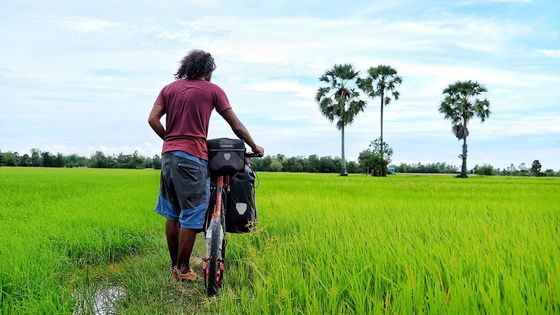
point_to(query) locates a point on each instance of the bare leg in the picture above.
(186, 242)
(172, 233)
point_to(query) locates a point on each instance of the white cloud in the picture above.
(89, 24)
(549, 52)
(297, 89)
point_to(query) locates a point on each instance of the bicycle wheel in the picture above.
(215, 265)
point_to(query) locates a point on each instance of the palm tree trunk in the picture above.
(343, 171)
(464, 165)
(382, 159)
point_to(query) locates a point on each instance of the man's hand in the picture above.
(258, 149)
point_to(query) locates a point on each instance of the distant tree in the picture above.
(47, 159)
(296, 167)
(371, 161)
(381, 81)
(8, 159)
(511, 170)
(327, 164)
(536, 168)
(484, 169)
(156, 162)
(460, 104)
(59, 160)
(313, 164)
(36, 157)
(25, 160)
(98, 160)
(549, 172)
(340, 101)
(438, 167)
(262, 164)
(74, 160)
(16, 158)
(368, 161)
(1, 159)
(292, 164)
(353, 167)
(523, 170)
(137, 161)
(275, 166)
(147, 163)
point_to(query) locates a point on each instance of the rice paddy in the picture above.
(325, 245)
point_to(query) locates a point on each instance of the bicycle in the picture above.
(213, 266)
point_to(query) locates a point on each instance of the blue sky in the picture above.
(82, 76)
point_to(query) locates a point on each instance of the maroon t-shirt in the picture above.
(188, 105)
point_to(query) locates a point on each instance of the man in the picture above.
(185, 184)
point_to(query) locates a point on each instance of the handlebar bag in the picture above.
(241, 209)
(226, 156)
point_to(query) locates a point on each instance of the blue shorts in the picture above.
(184, 189)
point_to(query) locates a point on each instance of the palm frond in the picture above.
(340, 100)
(461, 104)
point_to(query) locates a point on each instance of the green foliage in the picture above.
(8, 159)
(550, 172)
(156, 162)
(339, 100)
(311, 164)
(484, 169)
(275, 166)
(461, 102)
(97, 160)
(353, 167)
(381, 81)
(35, 157)
(438, 167)
(536, 168)
(370, 163)
(370, 160)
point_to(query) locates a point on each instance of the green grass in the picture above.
(325, 244)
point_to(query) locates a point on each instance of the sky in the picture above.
(81, 76)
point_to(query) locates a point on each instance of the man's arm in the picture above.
(154, 120)
(240, 130)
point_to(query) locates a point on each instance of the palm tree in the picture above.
(339, 101)
(460, 105)
(381, 81)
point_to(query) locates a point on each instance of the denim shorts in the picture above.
(184, 189)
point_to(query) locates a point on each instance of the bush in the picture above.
(485, 169)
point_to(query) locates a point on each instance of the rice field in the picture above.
(325, 245)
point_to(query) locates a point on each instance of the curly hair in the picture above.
(196, 64)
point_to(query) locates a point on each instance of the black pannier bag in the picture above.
(226, 156)
(241, 211)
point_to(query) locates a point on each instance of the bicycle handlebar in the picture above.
(253, 155)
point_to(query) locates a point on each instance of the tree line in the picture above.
(369, 162)
(38, 158)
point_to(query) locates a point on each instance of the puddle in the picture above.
(103, 301)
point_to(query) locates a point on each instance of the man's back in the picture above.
(188, 105)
